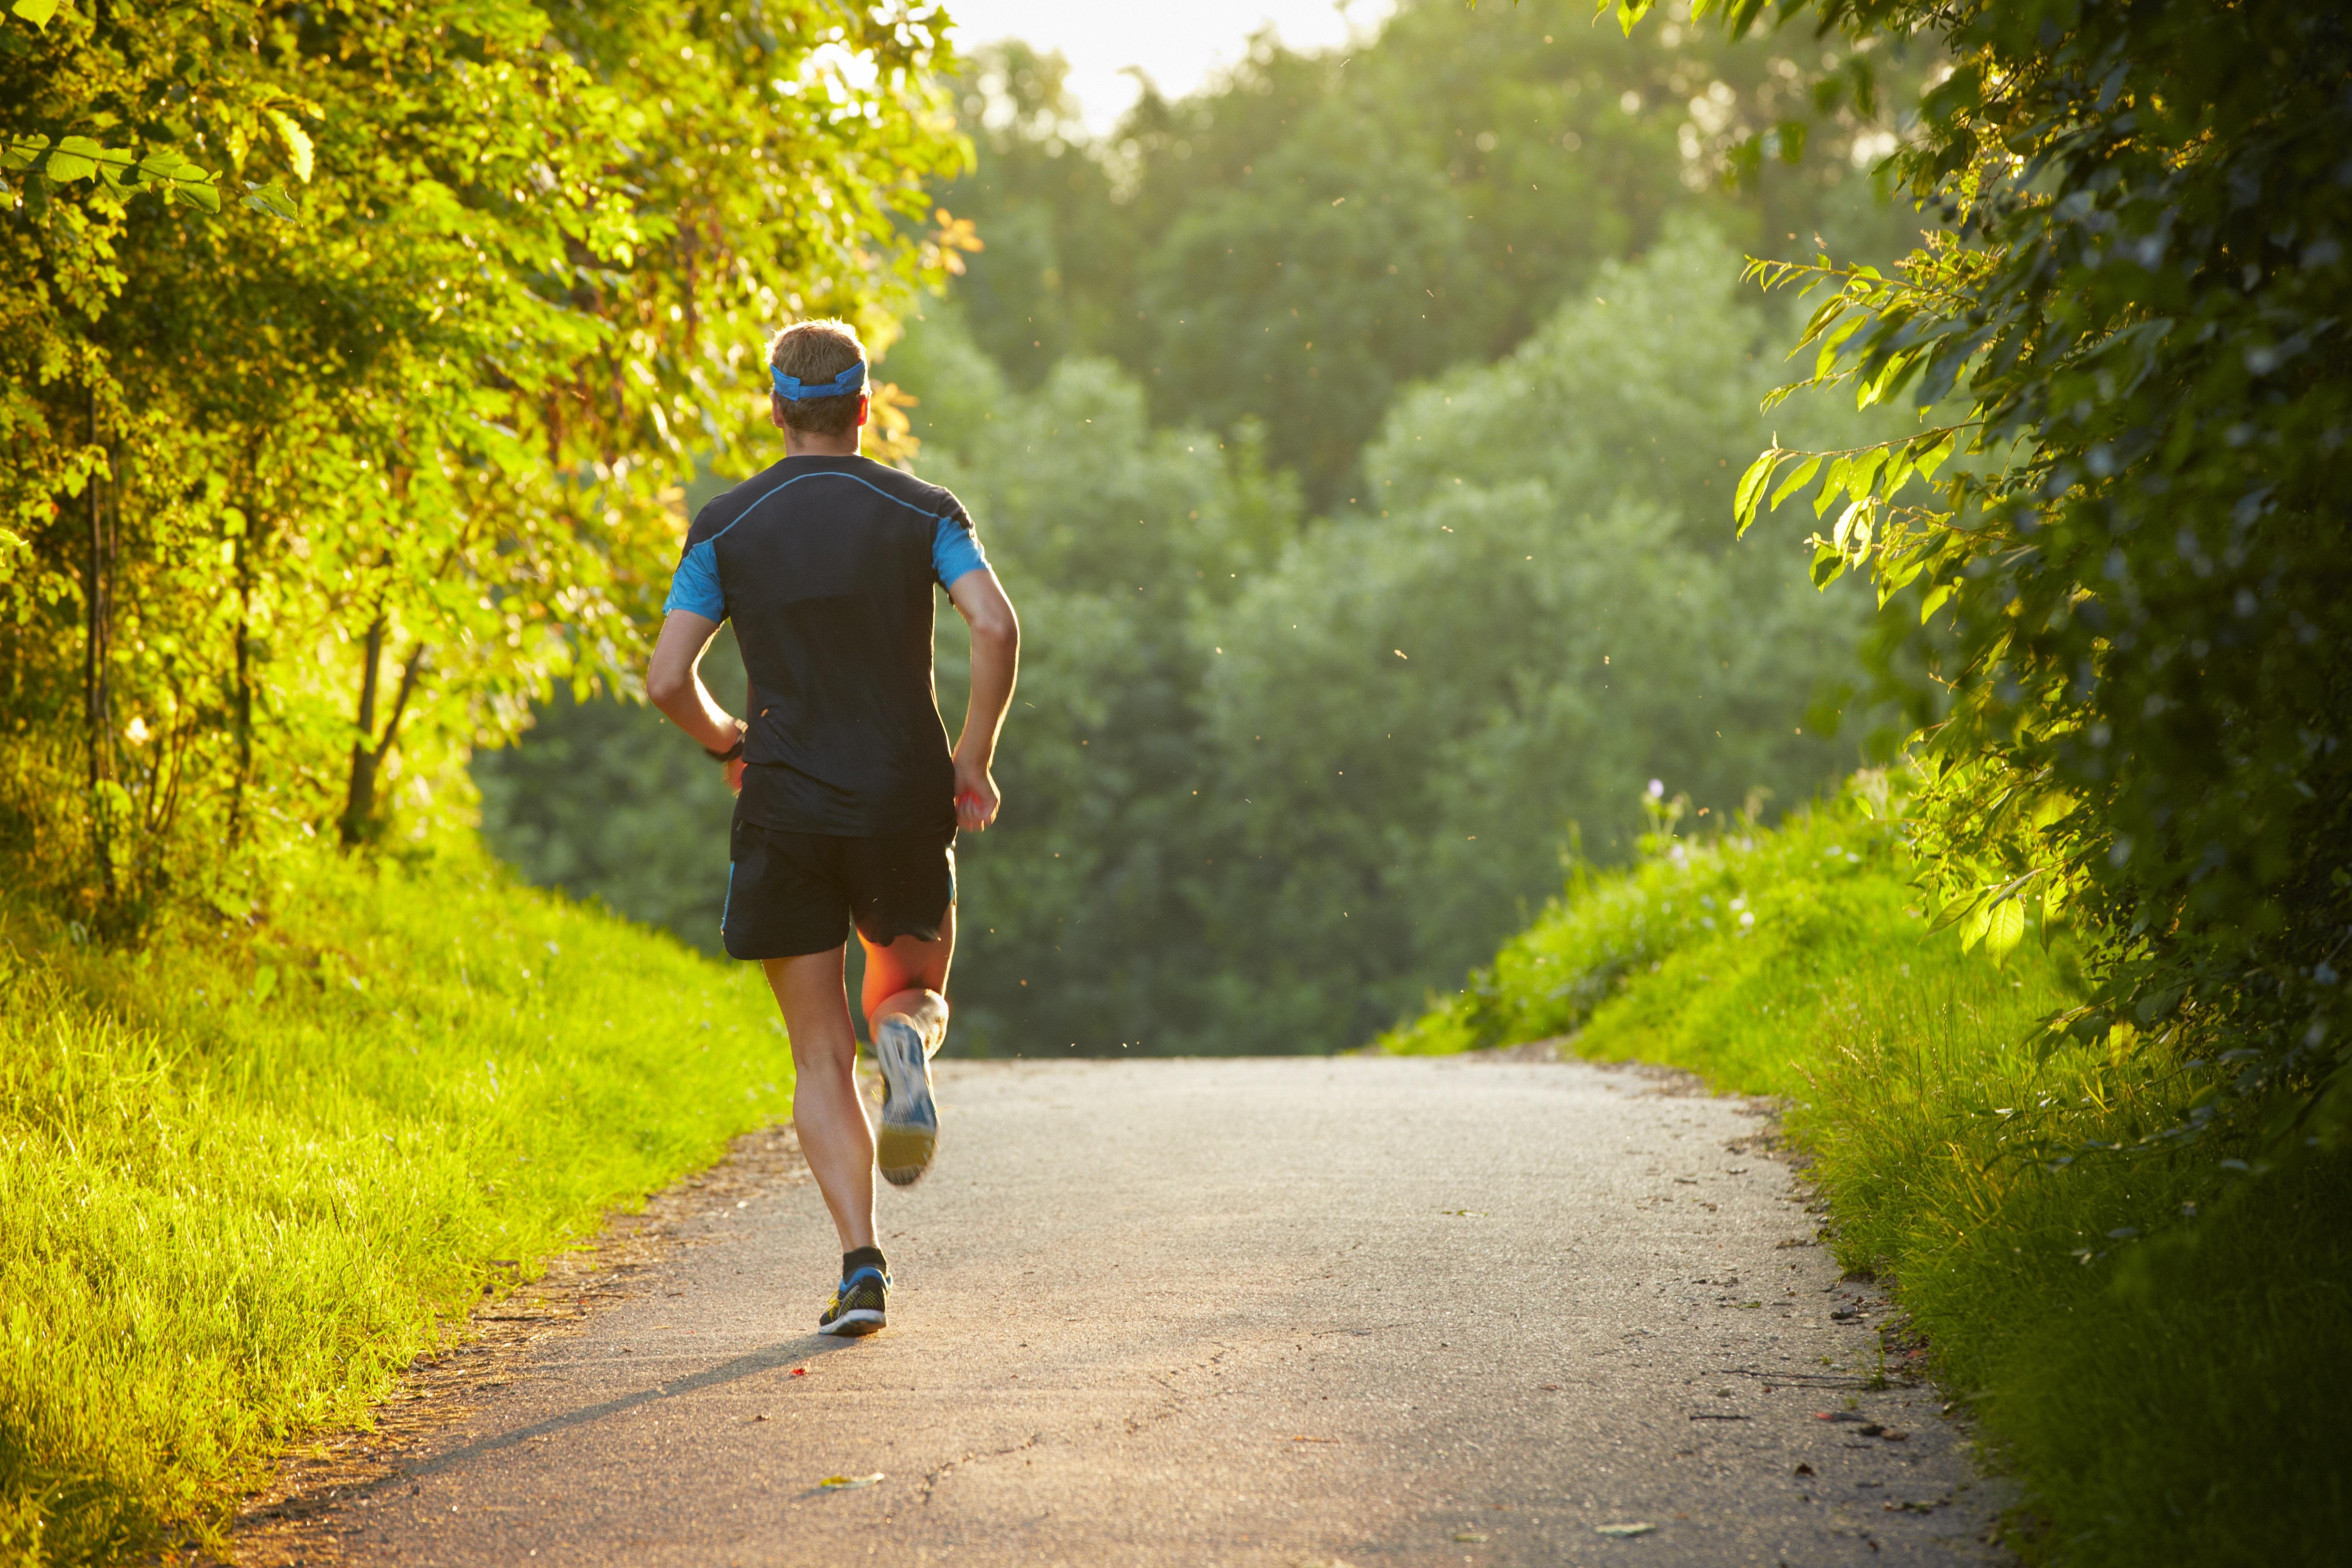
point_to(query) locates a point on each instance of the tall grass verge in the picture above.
(246, 1176)
(2157, 1340)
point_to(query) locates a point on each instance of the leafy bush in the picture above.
(294, 508)
(2150, 1337)
(2137, 300)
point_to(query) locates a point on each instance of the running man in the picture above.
(848, 796)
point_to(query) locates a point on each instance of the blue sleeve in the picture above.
(955, 549)
(695, 589)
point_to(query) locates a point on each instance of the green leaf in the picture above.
(1889, 378)
(1956, 908)
(1832, 487)
(1828, 566)
(2005, 927)
(1934, 455)
(1835, 334)
(1851, 537)
(1976, 928)
(76, 158)
(1932, 601)
(1751, 486)
(272, 201)
(1797, 479)
(299, 155)
(163, 165)
(1894, 576)
(1628, 13)
(1898, 469)
(37, 12)
(1866, 464)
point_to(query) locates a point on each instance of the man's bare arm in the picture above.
(674, 683)
(995, 665)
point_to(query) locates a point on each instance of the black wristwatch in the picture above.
(731, 752)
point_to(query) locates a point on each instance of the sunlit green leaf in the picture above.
(272, 200)
(1936, 454)
(1628, 13)
(1833, 486)
(1752, 485)
(2005, 929)
(1797, 478)
(1975, 929)
(297, 142)
(76, 158)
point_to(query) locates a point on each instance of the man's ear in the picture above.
(864, 405)
(776, 411)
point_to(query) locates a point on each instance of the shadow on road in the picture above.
(772, 1358)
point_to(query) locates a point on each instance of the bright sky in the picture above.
(1176, 45)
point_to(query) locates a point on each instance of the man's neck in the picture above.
(802, 443)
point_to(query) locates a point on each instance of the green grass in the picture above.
(246, 1177)
(2158, 1345)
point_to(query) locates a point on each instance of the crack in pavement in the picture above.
(932, 1479)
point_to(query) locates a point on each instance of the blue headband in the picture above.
(793, 389)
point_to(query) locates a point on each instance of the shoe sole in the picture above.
(857, 1322)
(910, 1120)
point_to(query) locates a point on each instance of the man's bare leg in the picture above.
(907, 1019)
(910, 977)
(827, 1112)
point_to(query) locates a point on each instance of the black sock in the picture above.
(863, 1257)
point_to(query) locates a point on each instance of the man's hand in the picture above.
(735, 775)
(976, 798)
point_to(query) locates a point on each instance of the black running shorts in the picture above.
(794, 893)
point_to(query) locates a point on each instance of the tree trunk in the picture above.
(241, 695)
(367, 761)
(359, 799)
(96, 708)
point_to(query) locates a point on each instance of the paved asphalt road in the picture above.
(1359, 1310)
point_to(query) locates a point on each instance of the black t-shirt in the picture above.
(827, 566)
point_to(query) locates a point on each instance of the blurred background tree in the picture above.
(1318, 230)
(1335, 653)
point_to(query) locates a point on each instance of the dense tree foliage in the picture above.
(1432, 711)
(290, 497)
(1268, 779)
(1272, 775)
(1321, 229)
(2138, 300)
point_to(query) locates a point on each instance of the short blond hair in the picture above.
(817, 352)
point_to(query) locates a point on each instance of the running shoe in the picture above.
(910, 1120)
(858, 1305)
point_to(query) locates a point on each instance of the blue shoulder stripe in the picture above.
(797, 479)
